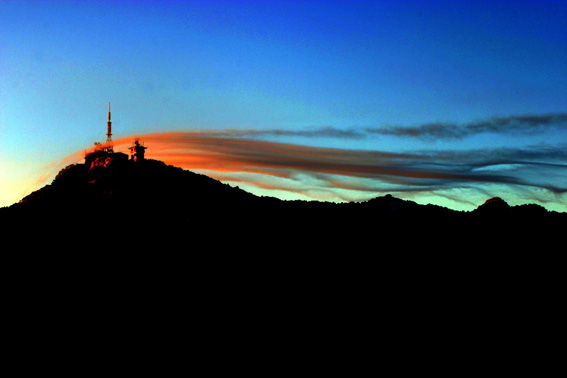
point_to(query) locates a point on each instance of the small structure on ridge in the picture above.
(137, 151)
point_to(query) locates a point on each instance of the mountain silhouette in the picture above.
(110, 194)
(116, 231)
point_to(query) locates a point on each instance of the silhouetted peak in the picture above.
(393, 205)
(531, 209)
(496, 200)
(168, 196)
(494, 206)
(494, 203)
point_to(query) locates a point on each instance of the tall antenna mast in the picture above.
(109, 132)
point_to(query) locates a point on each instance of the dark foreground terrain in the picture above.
(121, 245)
(121, 200)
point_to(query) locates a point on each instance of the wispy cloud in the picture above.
(315, 171)
(203, 151)
(311, 132)
(513, 125)
(243, 157)
(516, 124)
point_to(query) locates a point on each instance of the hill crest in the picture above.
(151, 192)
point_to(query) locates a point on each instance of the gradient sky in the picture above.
(444, 102)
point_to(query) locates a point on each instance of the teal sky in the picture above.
(482, 82)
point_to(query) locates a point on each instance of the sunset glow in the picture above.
(445, 102)
(333, 174)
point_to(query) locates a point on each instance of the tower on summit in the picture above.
(109, 147)
(105, 150)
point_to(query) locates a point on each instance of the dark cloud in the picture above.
(516, 124)
(314, 132)
(513, 125)
(542, 167)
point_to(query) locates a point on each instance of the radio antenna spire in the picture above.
(109, 132)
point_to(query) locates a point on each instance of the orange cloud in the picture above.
(223, 154)
(341, 174)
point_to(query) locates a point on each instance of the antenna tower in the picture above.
(109, 147)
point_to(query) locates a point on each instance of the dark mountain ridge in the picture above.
(134, 195)
(147, 227)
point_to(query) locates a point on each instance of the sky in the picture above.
(441, 102)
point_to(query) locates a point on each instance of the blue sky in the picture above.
(484, 81)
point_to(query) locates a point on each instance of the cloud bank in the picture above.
(522, 124)
(511, 125)
(460, 179)
(535, 173)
